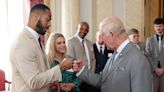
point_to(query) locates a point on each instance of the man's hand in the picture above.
(67, 86)
(66, 64)
(77, 65)
(159, 71)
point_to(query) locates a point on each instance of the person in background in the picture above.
(56, 53)
(30, 70)
(101, 52)
(128, 70)
(81, 48)
(155, 51)
(134, 36)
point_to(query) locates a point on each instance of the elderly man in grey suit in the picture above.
(128, 70)
(30, 70)
(155, 51)
(81, 48)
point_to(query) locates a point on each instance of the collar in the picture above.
(122, 46)
(33, 32)
(80, 38)
(98, 45)
(158, 37)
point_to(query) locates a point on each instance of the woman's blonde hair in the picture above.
(50, 48)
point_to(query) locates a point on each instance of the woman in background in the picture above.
(55, 51)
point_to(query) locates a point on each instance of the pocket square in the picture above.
(109, 55)
(120, 69)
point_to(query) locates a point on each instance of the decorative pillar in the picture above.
(70, 17)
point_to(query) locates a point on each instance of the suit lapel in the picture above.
(162, 44)
(38, 46)
(120, 59)
(33, 39)
(80, 46)
(90, 50)
(155, 42)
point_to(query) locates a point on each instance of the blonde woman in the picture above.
(55, 51)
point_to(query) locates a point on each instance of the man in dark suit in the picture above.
(155, 51)
(128, 70)
(101, 52)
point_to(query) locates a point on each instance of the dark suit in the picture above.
(101, 59)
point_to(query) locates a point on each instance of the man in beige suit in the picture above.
(30, 70)
(81, 48)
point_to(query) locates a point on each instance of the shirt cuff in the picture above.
(77, 74)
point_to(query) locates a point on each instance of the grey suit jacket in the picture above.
(153, 52)
(142, 47)
(29, 66)
(130, 73)
(76, 50)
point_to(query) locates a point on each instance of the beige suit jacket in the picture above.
(76, 50)
(30, 70)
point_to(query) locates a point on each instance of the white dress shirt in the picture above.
(102, 46)
(34, 33)
(86, 50)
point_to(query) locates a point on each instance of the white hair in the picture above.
(111, 24)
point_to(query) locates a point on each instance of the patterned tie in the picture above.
(159, 43)
(112, 60)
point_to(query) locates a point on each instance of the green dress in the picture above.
(67, 77)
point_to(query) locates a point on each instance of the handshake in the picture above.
(69, 62)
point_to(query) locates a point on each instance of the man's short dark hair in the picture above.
(40, 7)
(159, 21)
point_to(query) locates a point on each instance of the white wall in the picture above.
(86, 15)
(119, 8)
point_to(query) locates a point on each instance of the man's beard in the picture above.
(40, 29)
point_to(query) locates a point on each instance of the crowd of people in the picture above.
(116, 62)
